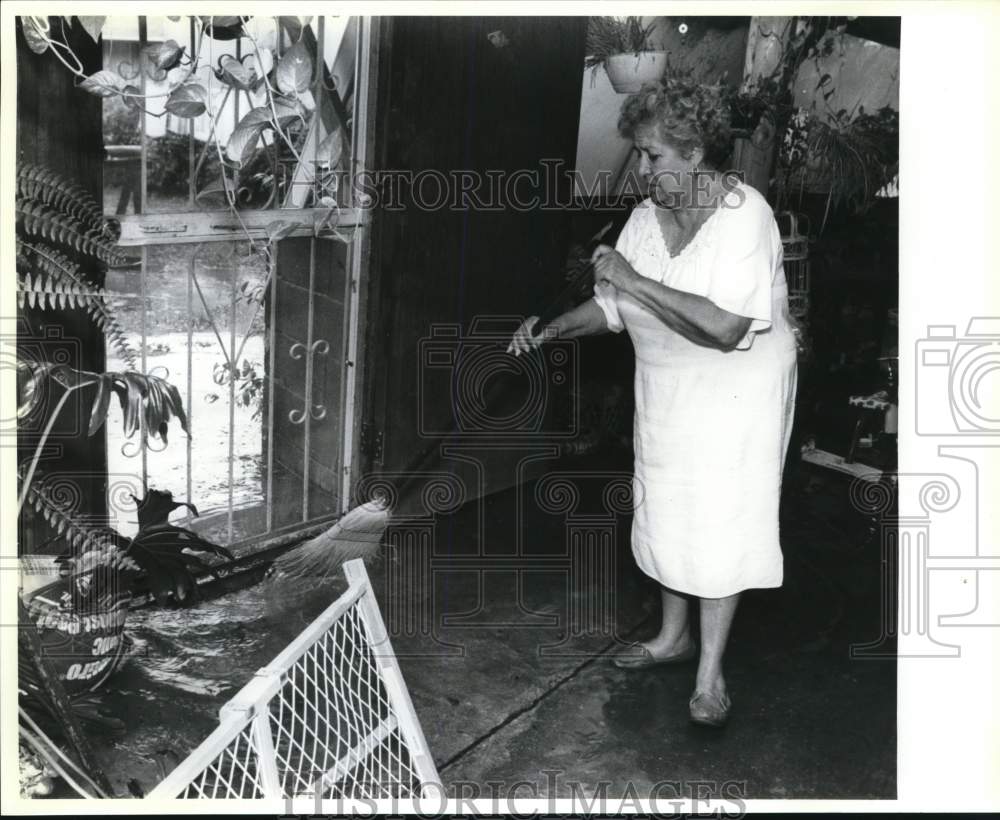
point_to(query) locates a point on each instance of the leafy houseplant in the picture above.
(623, 46)
(850, 158)
(61, 234)
(848, 155)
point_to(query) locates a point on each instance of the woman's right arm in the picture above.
(586, 319)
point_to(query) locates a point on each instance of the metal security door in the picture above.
(253, 314)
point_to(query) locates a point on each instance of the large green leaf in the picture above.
(232, 72)
(103, 84)
(249, 129)
(164, 56)
(213, 195)
(33, 35)
(147, 401)
(331, 149)
(92, 25)
(294, 71)
(279, 230)
(188, 101)
(165, 551)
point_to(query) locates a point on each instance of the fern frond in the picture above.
(47, 292)
(109, 555)
(64, 276)
(50, 188)
(37, 218)
(78, 537)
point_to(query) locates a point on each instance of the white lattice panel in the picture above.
(330, 715)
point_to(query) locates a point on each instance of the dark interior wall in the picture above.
(451, 100)
(59, 126)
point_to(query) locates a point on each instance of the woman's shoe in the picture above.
(629, 658)
(709, 709)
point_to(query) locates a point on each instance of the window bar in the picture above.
(309, 380)
(190, 376)
(192, 184)
(232, 403)
(317, 88)
(143, 159)
(143, 148)
(357, 94)
(356, 254)
(236, 96)
(347, 369)
(273, 286)
(142, 356)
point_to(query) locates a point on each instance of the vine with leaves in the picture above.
(283, 78)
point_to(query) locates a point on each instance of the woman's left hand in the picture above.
(610, 266)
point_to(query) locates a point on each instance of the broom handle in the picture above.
(555, 308)
(493, 390)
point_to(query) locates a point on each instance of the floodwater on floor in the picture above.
(496, 706)
(184, 664)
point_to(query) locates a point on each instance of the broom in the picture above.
(358, 533)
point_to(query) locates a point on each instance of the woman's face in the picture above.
(662, 168)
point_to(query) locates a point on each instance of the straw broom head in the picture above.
(357, 535)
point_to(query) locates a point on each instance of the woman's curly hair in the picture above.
(688, 115)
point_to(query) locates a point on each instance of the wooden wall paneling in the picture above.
(456, 102)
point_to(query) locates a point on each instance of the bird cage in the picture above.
(795, 231)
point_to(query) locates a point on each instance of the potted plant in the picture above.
(849, 156)
(61, 236)
(623, 46)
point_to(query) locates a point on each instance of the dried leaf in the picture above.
(188, 101)
(294, 70)
(103, 84)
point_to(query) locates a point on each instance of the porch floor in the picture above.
(509, 686)
(807, 721)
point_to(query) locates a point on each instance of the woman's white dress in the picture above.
(711, 427)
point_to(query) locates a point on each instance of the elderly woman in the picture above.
(696, 279)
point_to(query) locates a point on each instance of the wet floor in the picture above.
(509, 677)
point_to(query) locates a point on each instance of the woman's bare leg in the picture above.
(716, 619)
(675, 633)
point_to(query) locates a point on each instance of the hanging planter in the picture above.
(625, 49)
(629, 72)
